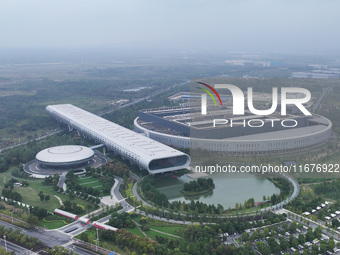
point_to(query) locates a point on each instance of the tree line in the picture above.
(199, 185)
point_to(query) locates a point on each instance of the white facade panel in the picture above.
(286, 141)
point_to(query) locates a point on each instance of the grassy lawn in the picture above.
(51, 225)
(129, 190)
(82, 180)
(153, 234)
(174, 230)
(135, 231)
(54, 221)
(167, 227)
(92, 234)
(87, 181)
(30, 194)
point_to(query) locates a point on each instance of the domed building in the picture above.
(66, 156)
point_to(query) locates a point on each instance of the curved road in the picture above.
(295, 193)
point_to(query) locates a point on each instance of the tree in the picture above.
(331, 244)
(292, 227)
(295, 242)
(301, 239)
(323, 248)
(84, 237)
(335, 223)
(318, 232)
(41, 196)
(245, 236)
(266, 231)
(47, 198)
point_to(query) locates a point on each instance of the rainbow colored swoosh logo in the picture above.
(209, 93)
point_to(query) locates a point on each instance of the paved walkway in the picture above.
(138, 226)
(112, 199)
(168, 234)
(60, 201)
(158, 231)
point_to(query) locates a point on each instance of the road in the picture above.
(80, 250)
(313, 224)
(14, 248)
(36, 139)
(295, 193)
(48, 237)
(146, 98)
(322, 97)
(136, 101)
(58, 237)
(81, 227)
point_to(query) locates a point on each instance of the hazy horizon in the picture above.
(306, 26)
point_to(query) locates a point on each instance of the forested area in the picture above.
(26, 153)
(328, 189)
(19, 238)
(199, 185)
(285, 189)
(197, 239)
(22, 111)
(151, 193)
(122, 220)
(11, 194)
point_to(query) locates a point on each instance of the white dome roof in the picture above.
(67, 154)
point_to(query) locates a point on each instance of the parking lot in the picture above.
(287, 237)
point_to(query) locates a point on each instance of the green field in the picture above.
(174, 230)
(93, 182)
(135, 231)
(30, 194)
(152, 234)
(54, 221)
(166, 227)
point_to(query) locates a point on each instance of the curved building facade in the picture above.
(65, 156)
(315, 131)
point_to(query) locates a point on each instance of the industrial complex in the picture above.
(147, 153)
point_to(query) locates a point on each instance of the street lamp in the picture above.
(5, 243)
(12, 216)
(97, 241)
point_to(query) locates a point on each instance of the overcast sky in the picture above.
(249, 25)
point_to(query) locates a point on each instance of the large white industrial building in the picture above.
(148, 154)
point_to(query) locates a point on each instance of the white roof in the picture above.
(64, 154)
(131, 145)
